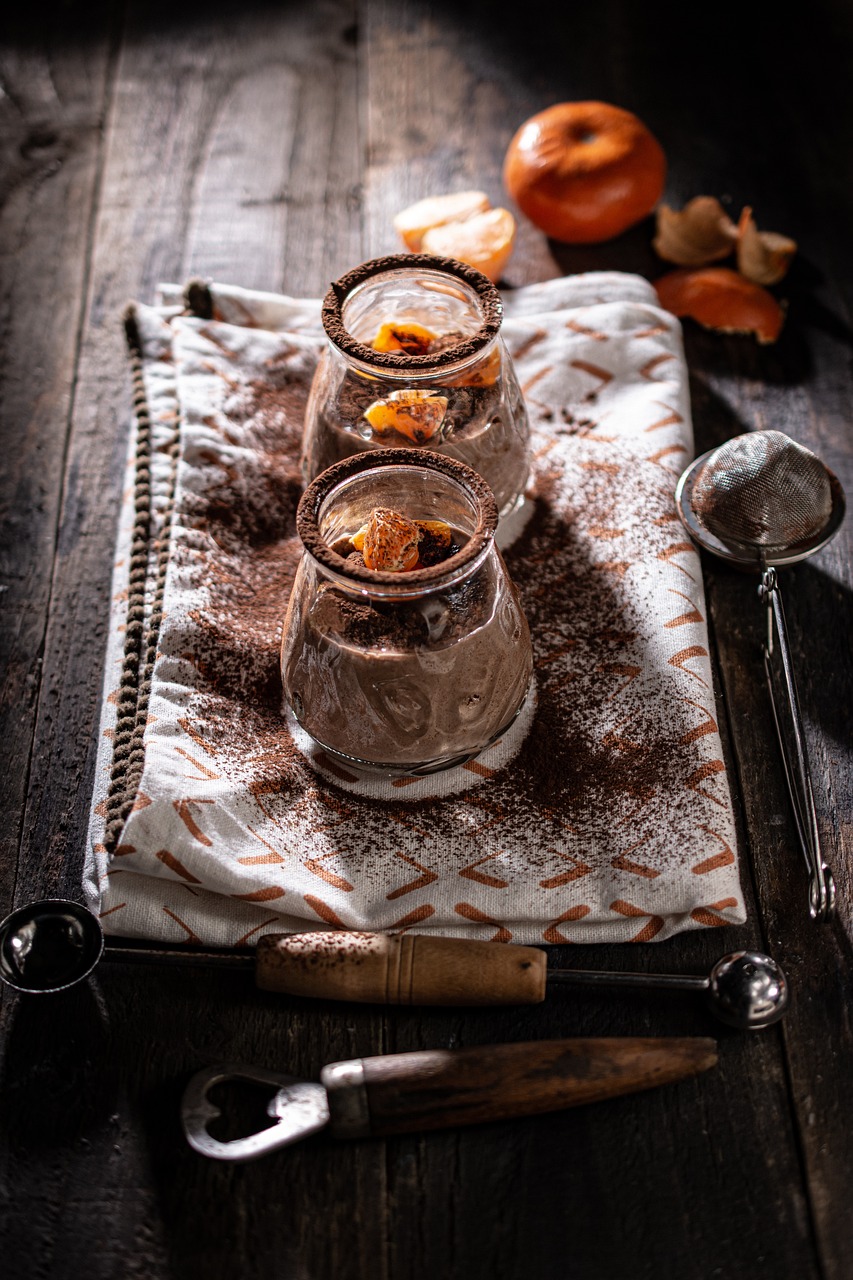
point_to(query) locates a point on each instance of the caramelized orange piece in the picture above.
(719, 298)
(390, 541)
(418, 415)
(407, 336)
(413, 223)
(484, 241)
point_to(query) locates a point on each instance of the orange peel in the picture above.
(721, 299)
(390, 541)
(413, 223)
(417, 415)
(762, 256)
(700, 233)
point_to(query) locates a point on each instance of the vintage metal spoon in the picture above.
(762, 501)
(48, 946)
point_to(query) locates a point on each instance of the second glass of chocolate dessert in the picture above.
(415, 360)
(405, 649)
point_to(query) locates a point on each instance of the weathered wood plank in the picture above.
(52, 107)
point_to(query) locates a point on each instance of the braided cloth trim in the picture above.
(140, 644)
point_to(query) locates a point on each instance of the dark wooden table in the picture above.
(269, 145)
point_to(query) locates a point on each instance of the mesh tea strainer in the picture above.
(762, 501)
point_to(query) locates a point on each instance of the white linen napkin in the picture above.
(604, 815)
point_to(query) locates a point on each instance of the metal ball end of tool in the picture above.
(747, 990)
(49, 946)
(761, 502)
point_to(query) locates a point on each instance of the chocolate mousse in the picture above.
(405, 647)
(415, 683)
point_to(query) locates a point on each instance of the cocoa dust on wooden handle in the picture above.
(376, 968)
(438, 1089)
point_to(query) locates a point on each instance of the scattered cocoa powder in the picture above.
(587, 638)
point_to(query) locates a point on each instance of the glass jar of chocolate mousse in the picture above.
(420, 663)
(415, 360)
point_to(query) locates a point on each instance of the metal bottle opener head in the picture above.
(299, 1108)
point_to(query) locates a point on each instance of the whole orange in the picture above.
(584, 171)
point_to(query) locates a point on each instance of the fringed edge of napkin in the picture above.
(141, 633)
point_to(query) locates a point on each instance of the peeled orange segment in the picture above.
(436, 538)
(719, 298)
(413, 339)
(357, 539)
(484, 241)
(390, 541)
(418, 415)
(413, 223)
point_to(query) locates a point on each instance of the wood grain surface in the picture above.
(269, 145)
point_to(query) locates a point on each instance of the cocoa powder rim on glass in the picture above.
(308, 517)
(488, 299)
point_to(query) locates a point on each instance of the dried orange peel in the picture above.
(721, 299)
(417, 415)
(700, 233)
(407, 335)
(762, 256)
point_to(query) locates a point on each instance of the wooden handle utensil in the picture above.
(376, 968)
(441, 1088)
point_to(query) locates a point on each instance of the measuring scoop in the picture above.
(441, 1088)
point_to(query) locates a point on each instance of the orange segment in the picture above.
(390, 541)
(418, 415)
(413, 223)
(407, 336)
(719, 298)
(484, 241)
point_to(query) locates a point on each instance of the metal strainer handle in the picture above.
(789, 728)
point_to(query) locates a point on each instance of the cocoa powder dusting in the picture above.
(590, 654)
(248, 512)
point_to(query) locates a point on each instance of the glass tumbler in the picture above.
(403, 672)
(415, 360)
